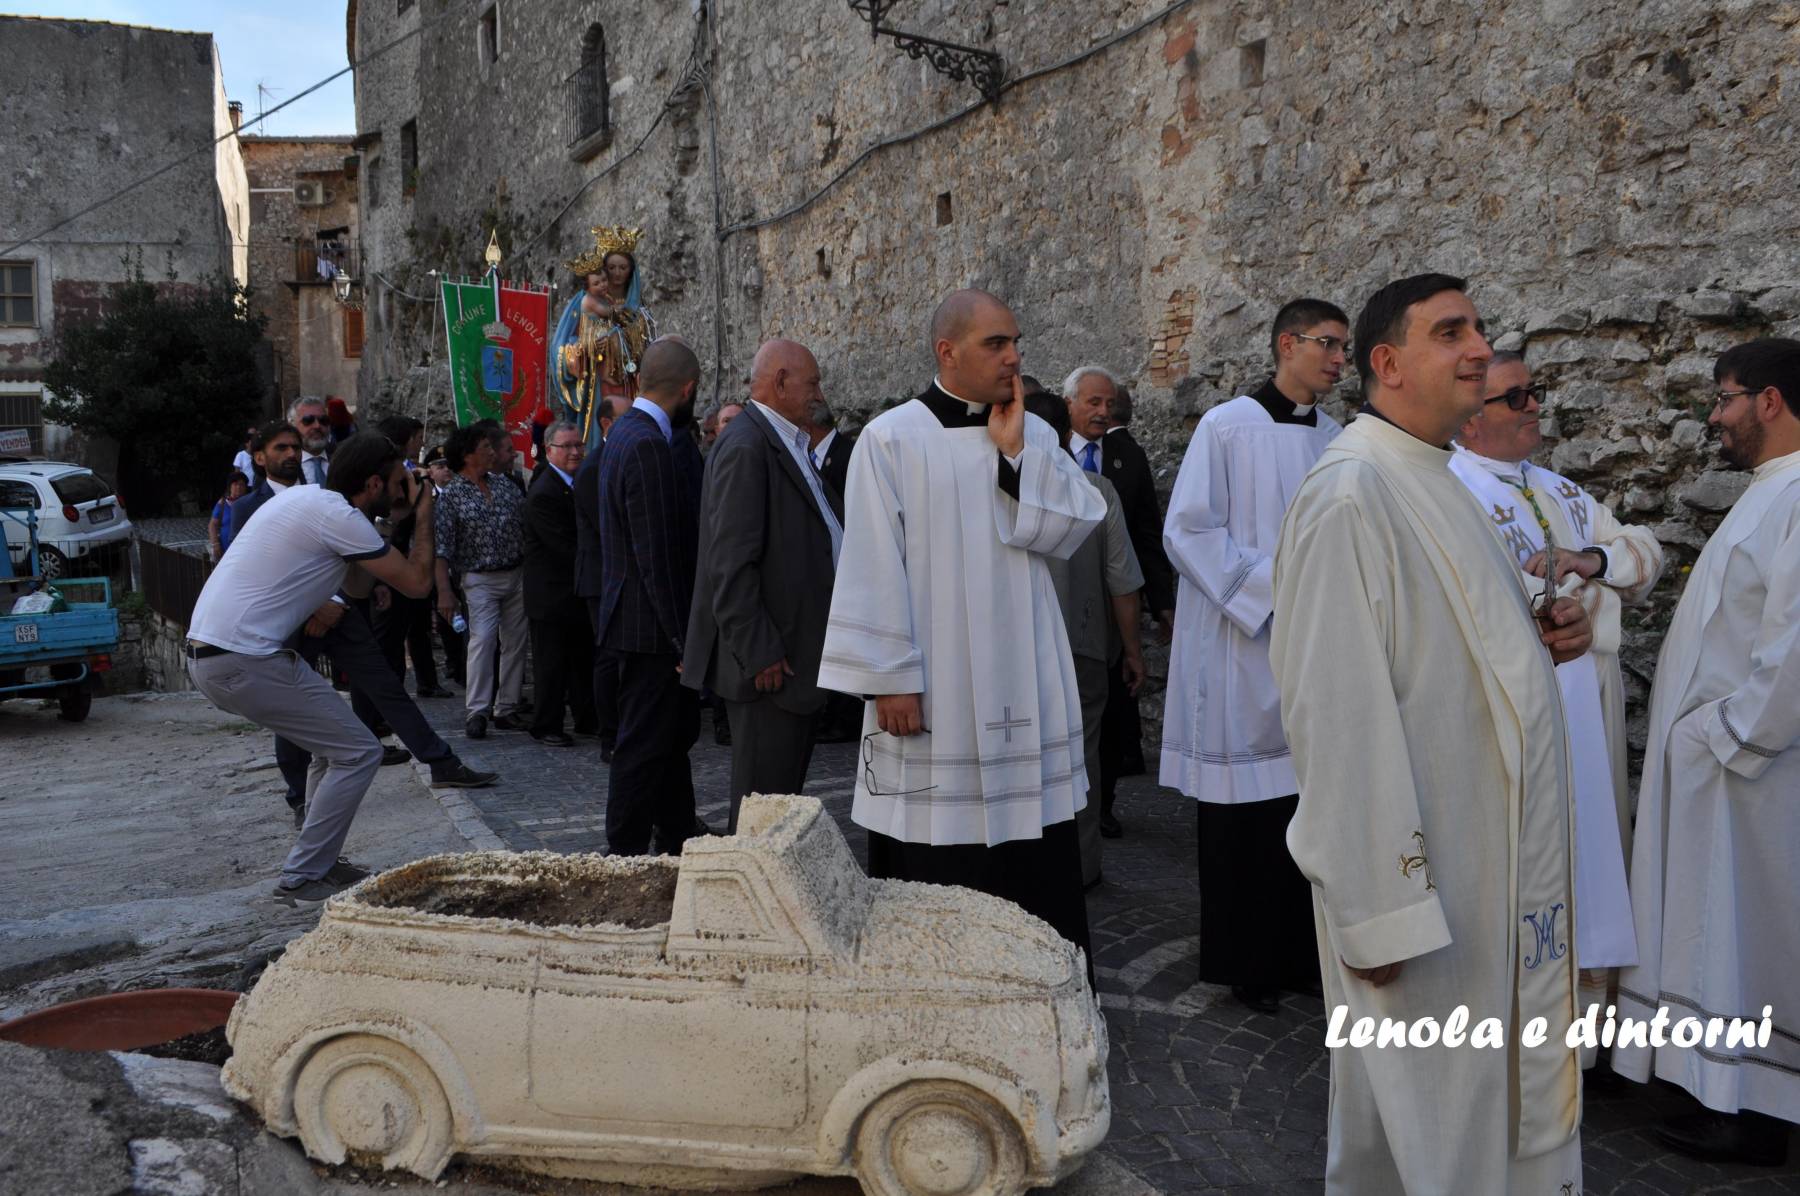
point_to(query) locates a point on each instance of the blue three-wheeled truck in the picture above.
(52, 646)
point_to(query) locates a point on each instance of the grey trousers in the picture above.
(1091, 682)
(497, 627)
(771, 749)
(282, 694)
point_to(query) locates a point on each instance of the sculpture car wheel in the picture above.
(939, 1138)
(373, 1099)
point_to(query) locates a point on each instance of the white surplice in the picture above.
(1605, 937)
(1715, 875)
(942, 589)
(1434, 821)
(1222, 736)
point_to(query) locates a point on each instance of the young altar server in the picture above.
(1222, 738)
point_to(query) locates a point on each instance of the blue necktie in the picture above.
(318, 470)
(1087, 458)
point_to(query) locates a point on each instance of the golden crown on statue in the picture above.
(607, 240)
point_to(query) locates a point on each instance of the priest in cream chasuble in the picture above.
(1715, 870)
(946, 617)
(1435, 819)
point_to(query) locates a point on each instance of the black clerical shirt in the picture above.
(954, 413)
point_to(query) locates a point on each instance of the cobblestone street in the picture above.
(1207, 1096)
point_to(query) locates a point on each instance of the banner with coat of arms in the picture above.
(497, 365)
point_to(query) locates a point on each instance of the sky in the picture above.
(282, 46)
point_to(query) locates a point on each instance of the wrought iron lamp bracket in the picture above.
(965, 64)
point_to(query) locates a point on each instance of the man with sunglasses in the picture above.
(1606, 565)
(308, 413)
(1715, 879)
(1222, 738)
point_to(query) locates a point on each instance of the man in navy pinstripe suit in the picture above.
(650, 471)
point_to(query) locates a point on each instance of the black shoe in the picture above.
(510, 722)
(1752, 1138)
(312, 890)
(1110, 827)
(476, 727)
(452, 773)
(345, 873)
(394, 755)
(299, 815)
(1258, 1000)
(553, 739)
(525, 706)
(434, 691)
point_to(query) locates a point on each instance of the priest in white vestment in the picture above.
(1435, 820)
(1222, 739)
(1607, 565)
(945, 615)
(1715, 874)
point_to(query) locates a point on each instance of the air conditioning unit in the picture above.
(309, 194)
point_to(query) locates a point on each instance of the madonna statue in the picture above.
(594, 354)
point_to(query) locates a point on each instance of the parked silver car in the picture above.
(78, 514)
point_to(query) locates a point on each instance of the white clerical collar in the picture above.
(1506, 471)
(1303, 409)
(274, 485)
(1775, 465)
(974, 408)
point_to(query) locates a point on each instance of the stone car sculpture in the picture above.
(754, 1010)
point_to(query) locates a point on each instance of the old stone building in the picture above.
(1152, 182)
(304, 219)
(92, 107)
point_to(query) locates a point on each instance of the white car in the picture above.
(760, 1010)
(77, 514)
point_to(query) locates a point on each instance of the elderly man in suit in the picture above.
(562, 637)
(770, 531)
(650, 473)
(1123, 462)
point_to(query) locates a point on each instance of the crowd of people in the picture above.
(1394, 689)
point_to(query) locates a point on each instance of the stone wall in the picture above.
(1613, 180)
(306, 321)
(92, 107)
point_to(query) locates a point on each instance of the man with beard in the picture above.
(972, 766)
(771, 530)
(650, 477)
(1715, 871)
(1434, 820)
(312, 417)
(282, 573)
(1531, 509)
(276, 447)
(1223, 744)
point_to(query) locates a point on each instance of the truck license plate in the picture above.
(25, 633)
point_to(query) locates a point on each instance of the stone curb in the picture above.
(463, 812)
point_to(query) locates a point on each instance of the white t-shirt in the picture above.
(245, 464)
(284, 563)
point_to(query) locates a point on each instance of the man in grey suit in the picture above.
(1098, 589)
(770, 531)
